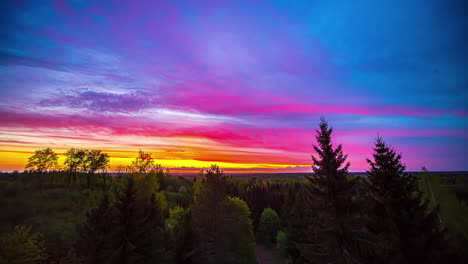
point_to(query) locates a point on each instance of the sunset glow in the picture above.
(241, 85)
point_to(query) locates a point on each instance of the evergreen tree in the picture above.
(407, 230)
(334, 234)
(153, 241)
(182, 237)
(256, 195)
(299, 218)
(208, 218)
(22, 247)
(93, 243)
(128, 230)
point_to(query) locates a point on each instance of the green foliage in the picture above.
(22, 247)
(405, 228)
(75, 159)
(322, 216)
(96, 160)
(142, 163)
(146, 186)
(222, 224)
(332, 232)
(55, 211)
(208, 215)
(94, 235)
(282, 243)
(127, 230)
(239, 232)
(42, 160)
(453, 212)
(177, 219)
(181, 236)
(269, 226)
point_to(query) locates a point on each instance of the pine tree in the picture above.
(257, 194)
(128, 230)
(334, 234)
(182, 238)
(298, 217)
(211, 190)
(95, 234)
(21, 246)
(406, 229)
(152, 243)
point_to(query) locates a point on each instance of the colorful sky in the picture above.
(239, 84)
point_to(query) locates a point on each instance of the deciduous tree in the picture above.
(42, 161)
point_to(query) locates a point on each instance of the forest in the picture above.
(79, 212)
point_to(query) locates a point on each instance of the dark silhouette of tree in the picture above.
(128, 228)
(22, 247)
(299, 216)
(143, 162)
(94, 236)
(221, 223)
(42, 161)
(182, 237)
(208, 216)
(407, 231)
(138, 233)
(334, 233)
(74, 162)
(257, 194)
(153, 242)
(95, 160)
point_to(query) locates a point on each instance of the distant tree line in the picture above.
(145, 215)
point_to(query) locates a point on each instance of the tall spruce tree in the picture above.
(333, 233)
(208, 215)
(407, 231)
(94, 235)
(129, 231)
(152, 243)
(297, 217)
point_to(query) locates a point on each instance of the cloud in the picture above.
(104, 102)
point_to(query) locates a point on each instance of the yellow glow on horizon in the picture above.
(18, 159)
(178, 152)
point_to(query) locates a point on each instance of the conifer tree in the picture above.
(334, 234)
(93, 243)
(211, 190)
(298, 217)
(128, 229)
(21, 246)
(257, 197)
(152, 242)
(406, 229)
(182, 238)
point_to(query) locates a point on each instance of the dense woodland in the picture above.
(80, 213)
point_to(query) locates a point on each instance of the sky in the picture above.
(241, 84)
